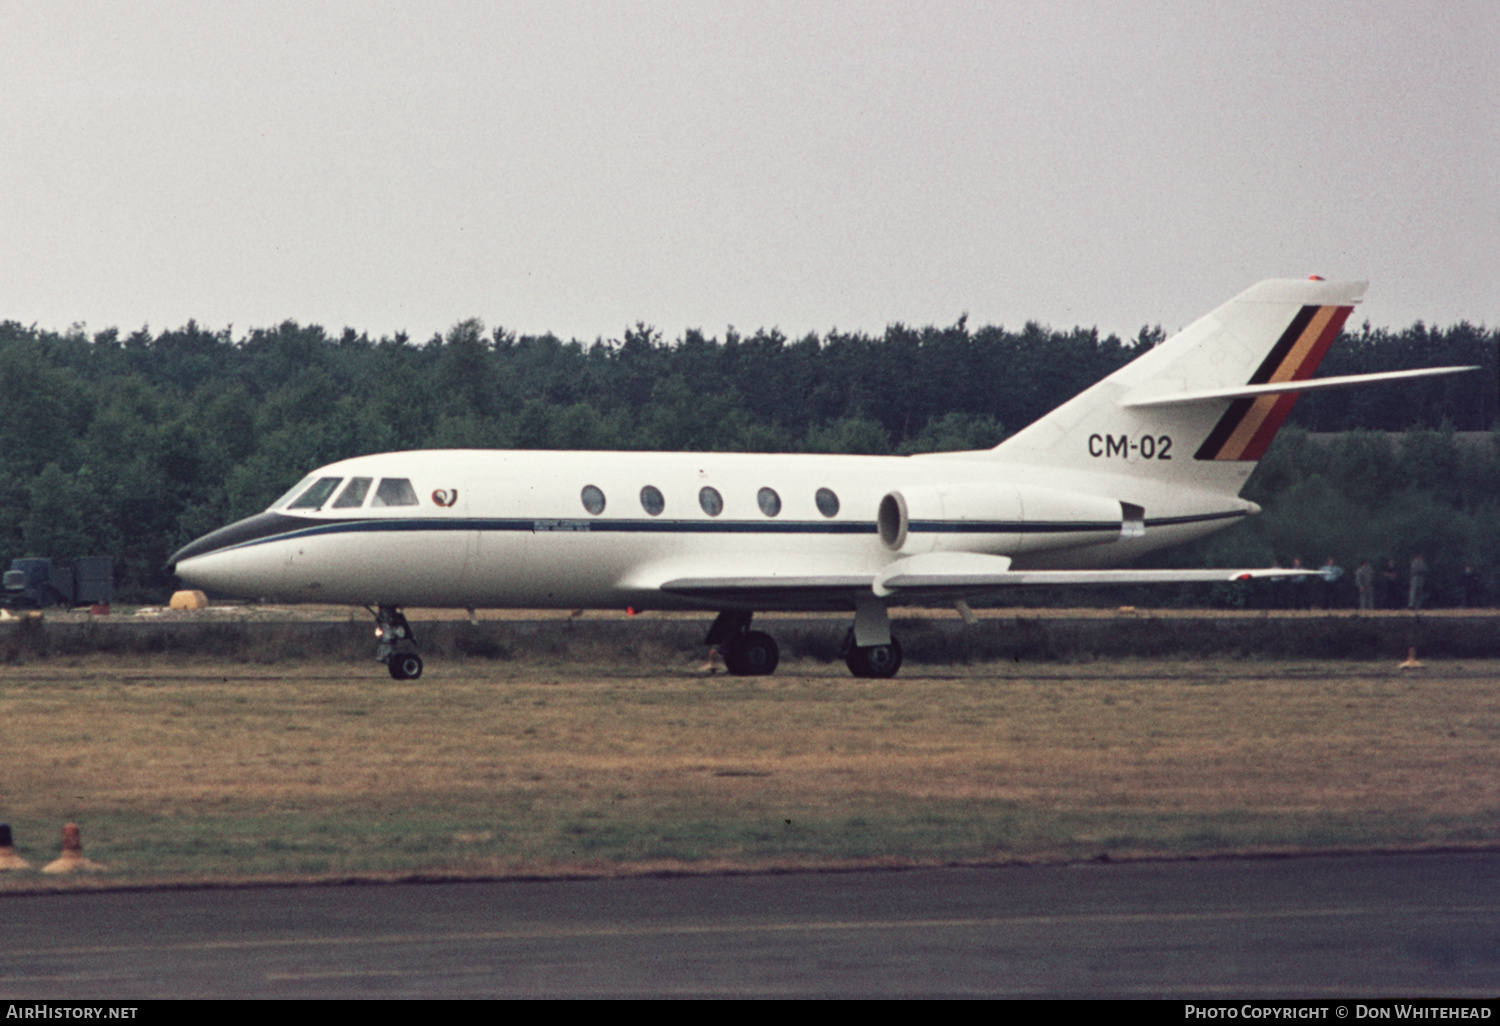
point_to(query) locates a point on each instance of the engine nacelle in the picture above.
(1003, 519)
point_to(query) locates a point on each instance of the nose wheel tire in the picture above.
(405, 667)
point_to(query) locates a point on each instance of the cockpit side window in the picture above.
(296, 489)
(353, 495)
(394, 491)
(315, 496)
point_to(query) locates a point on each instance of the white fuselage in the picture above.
(511, 529)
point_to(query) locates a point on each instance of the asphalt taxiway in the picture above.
(1315, 927)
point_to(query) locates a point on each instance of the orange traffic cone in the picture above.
(72, 860)
(8, 857)
(1412, 662)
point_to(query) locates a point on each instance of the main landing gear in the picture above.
(869, 649)
(872, 660)
(747, 653)
(396, 644)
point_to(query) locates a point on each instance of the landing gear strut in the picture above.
(396, 644)
(747, 653)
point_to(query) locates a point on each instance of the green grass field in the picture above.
(191, 770)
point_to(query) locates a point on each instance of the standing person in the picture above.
(1364, 583)
(1418, 593)
(1390, 579)
(1471, 587)
(1327, 583)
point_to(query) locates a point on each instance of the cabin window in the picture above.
(711, 501)
(318, 494)
(593, 499)
(652, 501)
(770, 502)
(394, 491)
(828, 503)
(353, 495)
(296, 489)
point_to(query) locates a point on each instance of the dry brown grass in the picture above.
(195, 768)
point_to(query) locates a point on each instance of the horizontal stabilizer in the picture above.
(1283, 387)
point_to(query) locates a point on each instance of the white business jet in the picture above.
(1153, 455)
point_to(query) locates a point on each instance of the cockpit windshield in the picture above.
(315, 496)
(353, 495)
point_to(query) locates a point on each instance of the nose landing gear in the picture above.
(396, 644)
(405, 666)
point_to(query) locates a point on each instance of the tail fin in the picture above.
(1203, 406)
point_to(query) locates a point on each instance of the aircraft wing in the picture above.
(772, 591)
(941, 576)
(959, 574)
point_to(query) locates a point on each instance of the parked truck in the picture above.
(37, 583)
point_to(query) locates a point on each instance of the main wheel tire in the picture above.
(752, 655)
(878, 661)
(405, 666)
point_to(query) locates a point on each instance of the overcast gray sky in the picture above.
(576, 167)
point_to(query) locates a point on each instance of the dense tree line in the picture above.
(130, 445)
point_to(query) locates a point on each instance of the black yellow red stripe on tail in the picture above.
(1246, 429)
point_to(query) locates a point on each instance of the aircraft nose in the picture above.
(241, 532)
